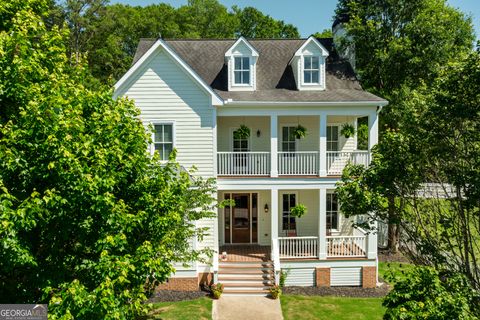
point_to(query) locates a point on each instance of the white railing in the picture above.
(337, 160)
(298, 247)
(276, 260)
(243, 163)
(346, 246)
(298, 163)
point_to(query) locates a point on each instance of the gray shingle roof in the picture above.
(275, 80)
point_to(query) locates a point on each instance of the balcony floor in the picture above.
(246, 253)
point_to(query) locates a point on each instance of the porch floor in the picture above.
(245, 253)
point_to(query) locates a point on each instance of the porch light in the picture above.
(258, 133)
(266, 208)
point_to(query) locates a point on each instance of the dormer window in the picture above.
(242, 71)
(309, 65)
(241, 60)
(311, 70)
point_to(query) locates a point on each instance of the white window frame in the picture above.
(282, 210)
(249, 84)
(288, 125)
(319, 70)
(162, 122)
(232, 130)
(339, 220)
(338, 137)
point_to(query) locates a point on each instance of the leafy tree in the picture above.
(90, 222)
(424, 293)
(254, 24)
(400, 42)
(326, 33)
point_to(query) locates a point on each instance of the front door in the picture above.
(241, 220)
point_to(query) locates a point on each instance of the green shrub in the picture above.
(425, 293)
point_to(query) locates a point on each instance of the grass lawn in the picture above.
(335, 308)
(397, 268)
(182, 310)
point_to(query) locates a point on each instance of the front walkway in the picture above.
(246, 307)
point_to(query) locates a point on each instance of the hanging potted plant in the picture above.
(300, 132)
(297, 212)
(242, 133)
(348, 130)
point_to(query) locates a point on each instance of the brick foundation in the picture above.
(323, 277)
(369, 277)
(205, 278)
(179, 284)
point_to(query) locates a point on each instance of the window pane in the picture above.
(315, 77)
(246, 63)
(308, 62)
(246, 77)
(238, 63)
(292, 200)
(167, 133)
(335, 133)
(285, 134)
(307, 78)
(158, 133)
(167, 150)
(244, 145)
(238, 75)
(315, 63)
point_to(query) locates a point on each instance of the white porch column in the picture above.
(322, 224)
(273, 146)
(372, 242)
(372, 130)
(274, 213)
(322, 172)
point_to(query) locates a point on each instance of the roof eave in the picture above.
(368, 103)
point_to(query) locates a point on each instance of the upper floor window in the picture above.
(242, 70)
(311, 70)
(288, 139)
(288, 202)
(163, 140)
(332, 211)
(332, 138)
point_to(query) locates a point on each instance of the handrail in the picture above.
(215, 267)
(276, 260)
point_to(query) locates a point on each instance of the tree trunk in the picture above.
(393, 227)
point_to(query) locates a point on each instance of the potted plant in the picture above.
(242, 133)
(217, 290)
(275, 291)
(298, 211)
(300, 132)
(348, 130)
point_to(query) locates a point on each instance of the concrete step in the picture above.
(246, 292)
(245, 271)
(246, 284)
(244, 278)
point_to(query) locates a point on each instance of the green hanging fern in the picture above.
(242, 133)
(300, 132)
(298, 211)
(348, 130)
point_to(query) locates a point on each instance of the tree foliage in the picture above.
(109, 34)
(90, 222)
(425, 293)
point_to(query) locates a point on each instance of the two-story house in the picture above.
(265, 118)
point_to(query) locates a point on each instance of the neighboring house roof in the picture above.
(275, 78)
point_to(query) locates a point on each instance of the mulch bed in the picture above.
(170, 296)
(355, 292)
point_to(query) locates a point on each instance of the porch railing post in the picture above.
(273, 145)
(274, 213)
(322, 156)
(372, 243)
(322, 224)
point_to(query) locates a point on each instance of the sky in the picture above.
(309, 16)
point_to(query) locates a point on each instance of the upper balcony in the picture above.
(275, 146)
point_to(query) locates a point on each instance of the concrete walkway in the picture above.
(246, 307)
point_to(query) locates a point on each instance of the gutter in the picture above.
(379, 104)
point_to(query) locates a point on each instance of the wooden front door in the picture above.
(241, 220)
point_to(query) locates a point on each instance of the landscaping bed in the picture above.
(171, 296)
(338, 291)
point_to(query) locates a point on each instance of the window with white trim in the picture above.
(288, 202)
(311, 70)
(288, 139)
(332, 211)
(163, 140)
(332, 138)
(241, 70)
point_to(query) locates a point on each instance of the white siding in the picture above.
(304, 277)
(307, 225)
(346, 276)
(226, 124)
(163, 91)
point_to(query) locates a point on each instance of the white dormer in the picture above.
(309, 65)
(241, 61)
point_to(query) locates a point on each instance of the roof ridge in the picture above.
(232, 39)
